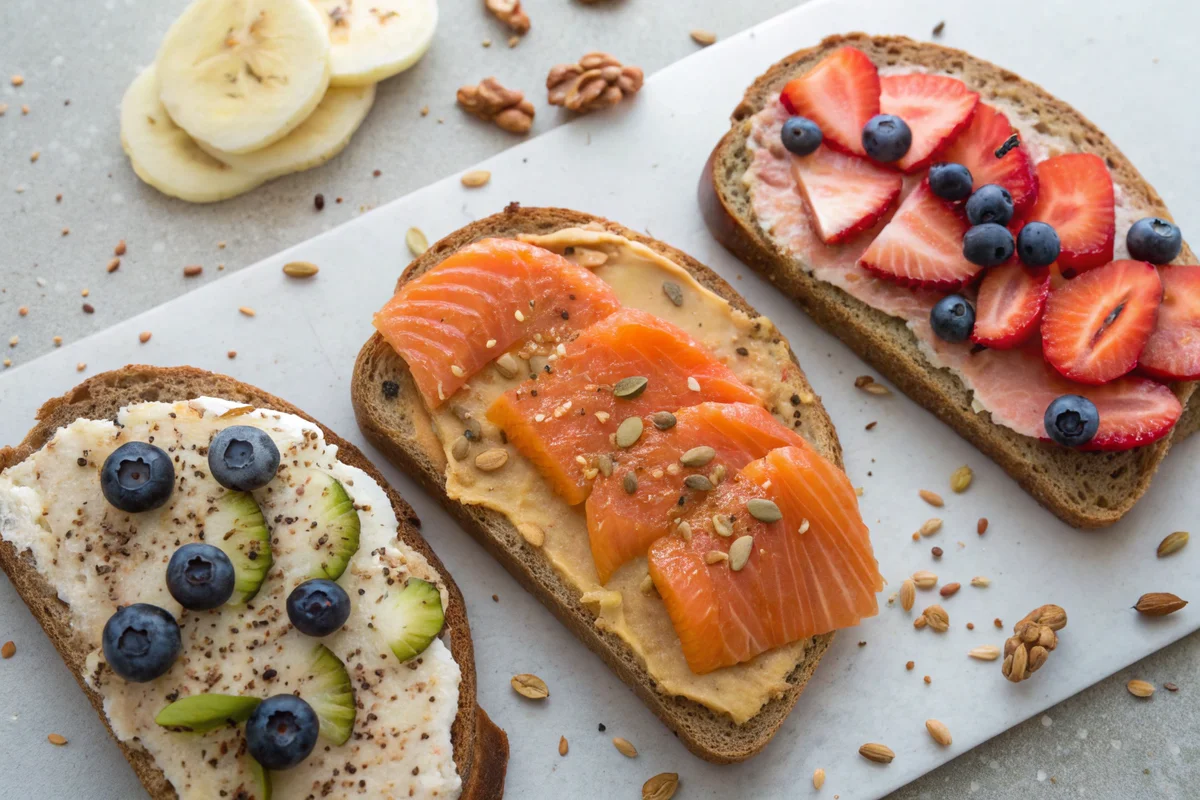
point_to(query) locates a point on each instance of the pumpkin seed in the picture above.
(629, 388)
(739, 552)
(663, 420)
(764, 510)
(629, 431)
(1173, 543)
(661, 787)
(722, 525)
(530, 686)
(698, 456)
(300, 269)
(416, 241)
(698, 482)
(491, 460)
(460, 448)
(673, 292)
(605, 465)
(624, 747)
(630, 482)
(507, 365)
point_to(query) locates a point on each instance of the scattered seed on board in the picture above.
(416, 241)
(624, 747)
(476, 178)
(818, 778)
(532, 533)
(936, 617)
(629, 431)
(930, 527)
(908, 594)
(739, 552)
(8, 650)
(933, 498)
(491, 460)
(924, 579)
(673, 292)
(247, 311)
(939, 732)
(693, 384)
(950, 589)
(1173, 543)
(985, 652)
(698, 482)
(300, 269)
(1159, 604)
(605, 465)
(685, 530)
(703, 37)
(981, 526)
(663, 420)
(722, 525)
(764, 510)
(630, 482)
(804, 526)
(562, 746)
(661, 787)
(981, 582)
(879, 753)
(629, 388)
(698, 456)
(960, 480)
(56, 739)
(1140, 688)
(530, 686)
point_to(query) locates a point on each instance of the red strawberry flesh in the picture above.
(1096, 325)
(1075, 197)
(845, 194)
(1133, 412)
(840, 94)
(1173, 351)
(937, 108)
(1010, 305)
(975, 148)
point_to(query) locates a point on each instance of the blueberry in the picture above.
(988, 245)
(141, 642)
(801, 135)
(243, 457)
(1155, 240)
(318, 607)
(952, 318)
(1072, 420)
(1037, 244)
(990, 203)
(137, 477)
(200, 576)
(282, 731)
(950, 181)
(886, 138)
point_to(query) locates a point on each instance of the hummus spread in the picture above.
(759, 356)
(98, 558)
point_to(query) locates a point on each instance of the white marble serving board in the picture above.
(1128, 70)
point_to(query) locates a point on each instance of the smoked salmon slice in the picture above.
(622, 526)
(810, 572)
(565, 419)
(485, 298)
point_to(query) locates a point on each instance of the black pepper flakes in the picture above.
(391, 390)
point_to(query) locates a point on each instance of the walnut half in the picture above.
(510, 13)
(597, 81)
(491, 102)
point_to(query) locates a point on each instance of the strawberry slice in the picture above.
(845, 194)
(1133, 412)
(1097, 325)
(922, 244)
(1010, 305)
(936, 107)
(975, 149)
(839, 94)
(1173, 352)
(1075, 196)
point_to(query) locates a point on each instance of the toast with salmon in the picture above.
(899, 250)
(480, 748)
(634, 490)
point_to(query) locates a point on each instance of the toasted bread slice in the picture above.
(1084, 489)
(480, 747)
(401, 429)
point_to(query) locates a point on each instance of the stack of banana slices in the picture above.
(243, 91)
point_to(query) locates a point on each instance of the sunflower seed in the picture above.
(698, 482)
(663, 420)
(1173, 543)
(491, 460)
(624, 747)
(530, 686)
(630, 482)
(739, 552)
(722, 525)
(629, 388)
(764, 510)
(673, 292)
(605, 465)
(416, 241)
(460, 448)
(629, 431)
(698, 456)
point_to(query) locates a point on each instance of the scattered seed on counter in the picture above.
(80, 367)
(981, 526)
(23, 311)
(192, 270)
(231, 354)
(119, 250)
(113, 265)
(58, 340)
(66, 231)
(247, 311)
(937, 552)
(705, 38)
(34, 156)
(8, 650)
(56, 739)
(88, 308)
(909, 665)
(562, 746)
(18, 80)
(144, 337)
(933, 498)
(999, 623)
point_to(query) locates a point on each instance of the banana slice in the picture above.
(165, 157)
(376, 39)
(319, 138)
(241, 74)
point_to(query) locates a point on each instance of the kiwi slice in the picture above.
(413, 620)
(205, 712)
(335, 535)
(329, 691)
(236, 525)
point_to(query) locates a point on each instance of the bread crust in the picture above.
(1085, 490)
(480, 747)
(397, 427)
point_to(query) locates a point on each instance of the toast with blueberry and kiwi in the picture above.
(480, 748)
(459, 416)
(868, 244)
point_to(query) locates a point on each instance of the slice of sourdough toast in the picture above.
(480, 747)
(1084, 489)
(400, 427)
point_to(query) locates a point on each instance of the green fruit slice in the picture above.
(261, 778)
(414, 619)
(205, 712)
(329, 691)
(335, 536)
(236, 525)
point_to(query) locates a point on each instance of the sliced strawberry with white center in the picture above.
(975, 148)
(1010, 305)
(1173, 351)
(922, 244)
(839, 94)
(845, 194)
(1133, 412)
(1075, 197)
(936, 108)
(1097, 325)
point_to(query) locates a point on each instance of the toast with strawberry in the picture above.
(981, 244)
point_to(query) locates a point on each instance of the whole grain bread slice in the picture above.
(480, 747)
(400, 427)
(1084, 489)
